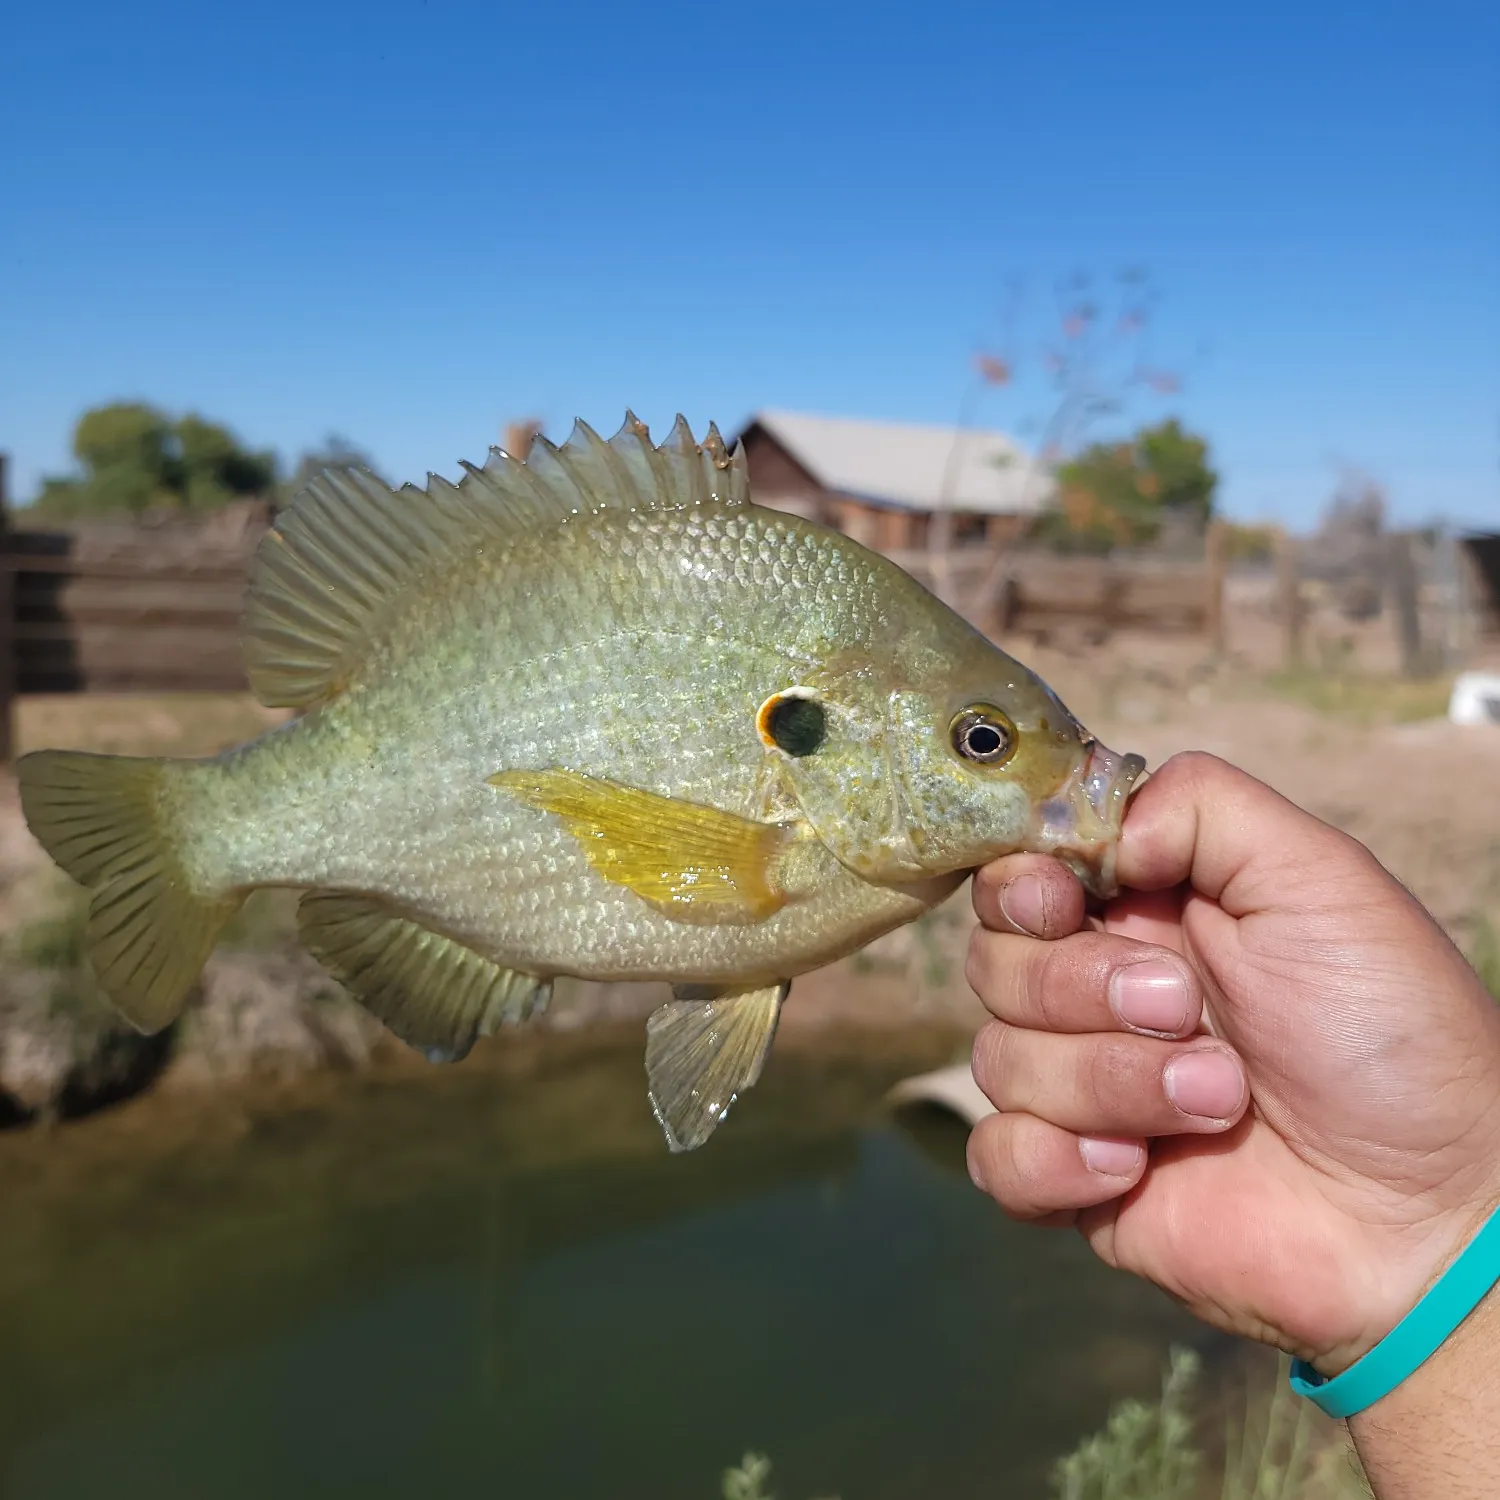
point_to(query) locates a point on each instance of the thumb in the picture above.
(1202, 822)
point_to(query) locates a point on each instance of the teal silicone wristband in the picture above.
(1416, 1338)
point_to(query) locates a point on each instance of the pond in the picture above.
(494, 1280)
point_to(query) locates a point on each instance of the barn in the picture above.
(887, 484)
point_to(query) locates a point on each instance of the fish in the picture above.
(590, 713)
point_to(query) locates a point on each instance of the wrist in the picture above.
(1438, 1433)
(1467, 1351)
(1406, 1276)
(1450, 1303)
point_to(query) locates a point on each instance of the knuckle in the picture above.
(1010, 1077)
(977, 962)
(1005, 1163)
(1036, 1187)
(1047, 987)
(1195, 768)
(1065, 978)
(1026, 1166)
(1002, 1067)
(1110, 1074)
(989, 1059)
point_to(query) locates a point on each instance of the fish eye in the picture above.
(794, 722)
(983, 734)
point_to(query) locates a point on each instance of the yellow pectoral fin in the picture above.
(694, 863)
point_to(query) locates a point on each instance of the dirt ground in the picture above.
(1341, 736)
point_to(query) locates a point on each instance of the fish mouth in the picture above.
(1080, 823)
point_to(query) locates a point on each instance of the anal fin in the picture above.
(702, 1050)
(431, 991)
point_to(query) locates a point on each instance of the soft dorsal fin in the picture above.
(347, 551)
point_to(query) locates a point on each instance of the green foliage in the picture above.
(1278, 1447)
(1485, 955)
(1144, 1451)
(1174, 469)
(212, 467)
(125, 435)
(1282, 1448)
(1121, 494)
(135, 458)
(1250, 543)
(57, 941)
(1363, 698)
(748, 1482)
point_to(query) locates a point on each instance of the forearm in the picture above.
(1437, 1435)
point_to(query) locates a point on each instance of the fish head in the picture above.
(970, 757)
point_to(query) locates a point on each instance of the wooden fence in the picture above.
(158, 607)
(138, 608)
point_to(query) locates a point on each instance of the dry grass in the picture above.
(188, 724)
(1277, 1446)
(1364, 699)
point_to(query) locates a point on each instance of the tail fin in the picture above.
(149, 932)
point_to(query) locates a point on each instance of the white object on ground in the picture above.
(1475, 698)
(952, 1089)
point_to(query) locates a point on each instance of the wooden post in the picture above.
(518, 437)
(1111, 600)
(7, 623)
(1401, 580)
(1289, 599)
(1215, 568)
(939, 555)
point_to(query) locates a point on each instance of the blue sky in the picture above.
(408, 222)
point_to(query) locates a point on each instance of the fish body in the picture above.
(597, 715)
(637, 648)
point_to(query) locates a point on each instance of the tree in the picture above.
(1121, 494)
(135, 458)
(1093, 360)
(214, 469)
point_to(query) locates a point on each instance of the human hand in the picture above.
(1266, 1080)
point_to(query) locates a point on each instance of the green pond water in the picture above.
(502, 1284)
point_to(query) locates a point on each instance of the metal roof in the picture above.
(910, 467)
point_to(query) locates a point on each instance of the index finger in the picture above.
(1203, 823)
(1030, 894)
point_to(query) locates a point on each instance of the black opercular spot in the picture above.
(797, 725)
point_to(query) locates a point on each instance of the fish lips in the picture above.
(1080, 823)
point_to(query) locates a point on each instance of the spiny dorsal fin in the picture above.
(346, 552)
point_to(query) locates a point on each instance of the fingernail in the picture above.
(1151, 996)
(975, 1175)
(1208, 1083)
(1110, 1158)
(1023, 903)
